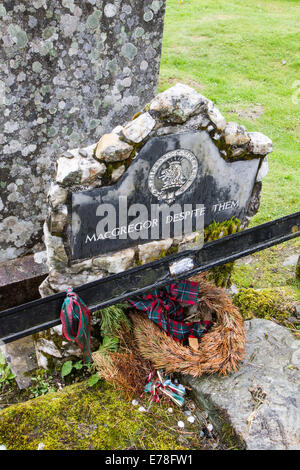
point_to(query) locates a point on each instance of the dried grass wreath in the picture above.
(220, 350)
(146, 346)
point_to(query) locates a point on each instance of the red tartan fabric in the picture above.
(76, 323)
(163, 307)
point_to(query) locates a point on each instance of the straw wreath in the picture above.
(220, 350)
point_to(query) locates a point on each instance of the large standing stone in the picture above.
(260, 403)
(69, 72)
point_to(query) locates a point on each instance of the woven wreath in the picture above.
(220, 350)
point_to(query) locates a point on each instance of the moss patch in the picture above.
(266, 303)
(80, 417)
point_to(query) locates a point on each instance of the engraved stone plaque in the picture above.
(174, 179)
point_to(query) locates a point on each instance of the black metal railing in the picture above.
(41, 314)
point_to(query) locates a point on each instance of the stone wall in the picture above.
(70, 70)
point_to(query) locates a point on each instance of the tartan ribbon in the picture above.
(76, 324)
(163, 308)
(157, 384)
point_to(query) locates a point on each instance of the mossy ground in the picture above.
(267, 288)
(265, 269)
(82, 418)
(266, 303)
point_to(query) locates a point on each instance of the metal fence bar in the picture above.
(41, 314)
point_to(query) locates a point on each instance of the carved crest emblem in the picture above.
(172, 174)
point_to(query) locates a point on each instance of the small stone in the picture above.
(151, 251)
(191, 419)
(78, 170)
(135, 402)
(178, 103)
(2, 447)
(170, 410)
(168, 130)
(142, 409)
(45, 288)
(87, 151)
(259, 143)
(138, 129)
(210, 427)
(116, 262)
(263, 171)
(283, 62)
(216, 117)
(117, 173)
(235, 134)
(58, 219)
(187, 413)
(291, 260)
(78, 268)
(56, 253)
(57, 195)
(201, 433)
(180, 424)
(91, 170)
(57, 330)
(48, 347)
(20, 355)
(117, 130)
(200, 121)
(41, 446)
(111, 149)
(232, 290)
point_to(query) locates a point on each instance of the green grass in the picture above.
(232, 52)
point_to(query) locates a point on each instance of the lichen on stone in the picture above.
(67, 84)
